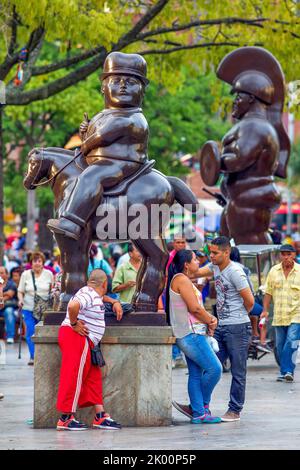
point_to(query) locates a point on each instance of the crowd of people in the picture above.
(209, 301)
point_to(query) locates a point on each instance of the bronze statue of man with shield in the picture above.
(256, 148)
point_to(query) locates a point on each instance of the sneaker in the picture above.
(70, 424)
(179, 363)
(105, 422)
(255, 339)
(10, 341)
(230, 416)
(1, 396)
(280, 378)
(289, 377)
(206, 419)
(207, 410)
(184, 409)
(263, 347)
(30, 362)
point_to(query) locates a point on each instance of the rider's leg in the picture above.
(87, 195)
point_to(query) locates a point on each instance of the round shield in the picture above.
(210, 163)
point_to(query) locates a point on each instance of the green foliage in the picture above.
(294, 163)
(182, 105)
(180, 123)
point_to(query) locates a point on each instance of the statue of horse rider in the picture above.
(114, 142)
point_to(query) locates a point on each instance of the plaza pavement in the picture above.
(271, 417)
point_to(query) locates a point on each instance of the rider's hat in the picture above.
(119, 63)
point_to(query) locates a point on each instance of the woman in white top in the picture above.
(43, 280)
(193, 326)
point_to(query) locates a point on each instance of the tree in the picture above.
(167, 32)
(181, 123)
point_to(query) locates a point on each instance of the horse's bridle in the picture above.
(77, 154)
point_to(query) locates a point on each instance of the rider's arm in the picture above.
(110, 130)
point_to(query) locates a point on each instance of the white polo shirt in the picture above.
(91, 312)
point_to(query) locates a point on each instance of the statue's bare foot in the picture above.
(64, 227)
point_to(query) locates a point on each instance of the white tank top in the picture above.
(180, 317)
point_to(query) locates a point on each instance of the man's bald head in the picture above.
(97, 278)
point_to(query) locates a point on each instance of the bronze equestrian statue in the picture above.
(110, 174)
(114, 142)
(255, 150)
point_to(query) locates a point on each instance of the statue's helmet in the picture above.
(256, 71)
(254, 83)
(119, 63)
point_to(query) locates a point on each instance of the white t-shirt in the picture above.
(43, 283)
(91, 312)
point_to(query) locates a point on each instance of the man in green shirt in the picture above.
(124, 280)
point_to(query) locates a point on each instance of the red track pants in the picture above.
(80, 383)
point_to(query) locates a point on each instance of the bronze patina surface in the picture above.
(256, 148)
(109, 176)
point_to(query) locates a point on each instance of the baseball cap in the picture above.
(287, 248)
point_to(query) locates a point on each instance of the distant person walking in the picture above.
(43, 280)
(283, 288)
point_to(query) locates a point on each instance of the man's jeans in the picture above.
(10, 321)
(287, 342)
(205, 370)
(234, 343)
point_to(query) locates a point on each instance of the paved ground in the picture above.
(271, 418)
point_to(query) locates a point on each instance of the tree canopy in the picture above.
(168, 33)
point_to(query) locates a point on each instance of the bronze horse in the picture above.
(150, 188)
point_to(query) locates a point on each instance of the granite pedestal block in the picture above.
(137, 378)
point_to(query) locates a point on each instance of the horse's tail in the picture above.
(183, 194)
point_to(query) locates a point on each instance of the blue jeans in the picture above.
(30, 323)
(287, 342)
(176, 353)
(234, 343)
(204, 368)
(10, 321)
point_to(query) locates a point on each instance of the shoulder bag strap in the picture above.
(33, 280)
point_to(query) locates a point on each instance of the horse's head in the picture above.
(36, 170)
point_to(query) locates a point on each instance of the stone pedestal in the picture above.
(137, 378)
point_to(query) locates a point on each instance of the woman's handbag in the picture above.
(40, 305)
(96, 356)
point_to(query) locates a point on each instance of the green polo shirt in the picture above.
(126, 272)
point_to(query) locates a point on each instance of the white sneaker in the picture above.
(1, 396)
(10, 341)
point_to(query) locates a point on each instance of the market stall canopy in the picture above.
(283, 208)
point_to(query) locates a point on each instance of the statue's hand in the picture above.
(84, 126)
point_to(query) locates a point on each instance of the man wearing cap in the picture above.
(283, 288)
(114, 142)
